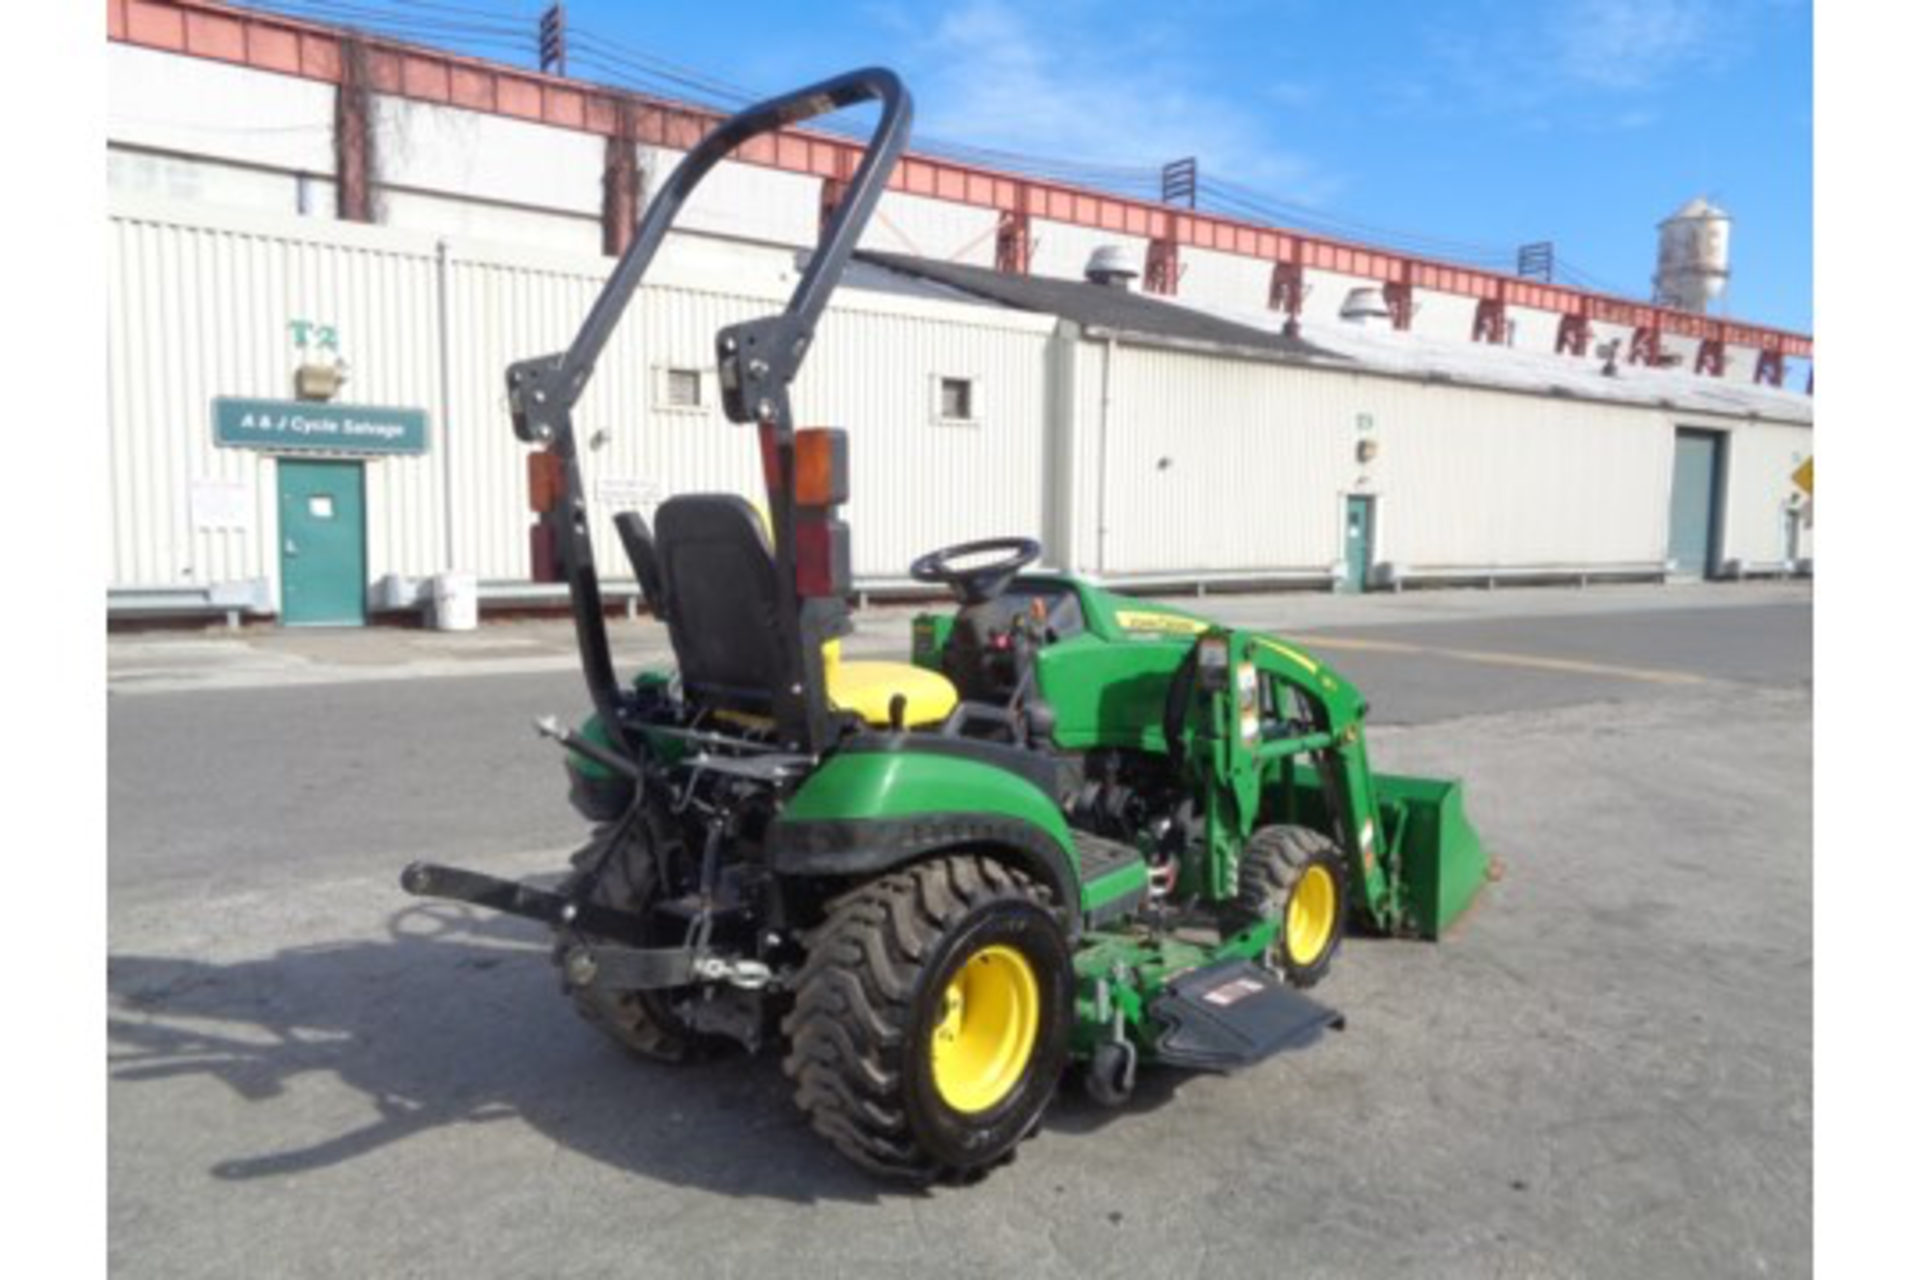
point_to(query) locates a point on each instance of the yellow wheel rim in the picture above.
(989, 1020)
(1310, 915)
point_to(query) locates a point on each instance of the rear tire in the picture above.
(1294, 875)
(641, 1022)
(930, 1021)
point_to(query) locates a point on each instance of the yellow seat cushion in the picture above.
(867, 689)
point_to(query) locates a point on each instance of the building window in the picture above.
(955, 402)
(682, 390)
(679, 389)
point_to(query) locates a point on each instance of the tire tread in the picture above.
(1270, 865)
(850, 1016)
(628, 1018)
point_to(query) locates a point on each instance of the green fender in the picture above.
(871, 808)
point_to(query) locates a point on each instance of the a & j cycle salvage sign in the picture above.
(322, 428)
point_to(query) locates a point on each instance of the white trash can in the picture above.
(395, 592)
(456, 602)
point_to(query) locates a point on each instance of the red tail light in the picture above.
(546, 481)
(822, 556)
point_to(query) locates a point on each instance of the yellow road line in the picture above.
(1570, 666)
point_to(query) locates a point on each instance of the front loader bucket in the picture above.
(1440, 853)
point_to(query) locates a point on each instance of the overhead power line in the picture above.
(515, 29)
(375, 16)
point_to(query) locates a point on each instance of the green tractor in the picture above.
(1077, 830)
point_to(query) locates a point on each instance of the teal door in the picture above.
(323, 543)
(1359, 545)
(1695, 518)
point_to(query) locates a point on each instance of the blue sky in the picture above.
(1464, 127)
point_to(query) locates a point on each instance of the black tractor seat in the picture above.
(720, 599)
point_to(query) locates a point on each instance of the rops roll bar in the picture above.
(757, 360)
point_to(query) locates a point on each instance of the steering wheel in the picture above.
(981, 583)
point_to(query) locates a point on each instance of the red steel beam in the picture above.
(622, 189)
(1399, 298)
(1711, 358)
(1287, 292)
(353, 136)
(1163, 265)
(1013, 243)
(1490, 321)
(290, 46)
(1574, 334)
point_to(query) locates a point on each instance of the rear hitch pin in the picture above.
(748, 975)
(582, 968)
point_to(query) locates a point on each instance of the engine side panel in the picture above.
(1110, 694)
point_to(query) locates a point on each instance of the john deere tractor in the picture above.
(1077, 831)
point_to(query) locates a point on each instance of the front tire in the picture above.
(930, 1021)
(1295, 875)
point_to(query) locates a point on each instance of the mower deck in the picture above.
(1234, 1014)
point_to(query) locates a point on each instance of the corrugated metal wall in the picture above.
(1761, 496)
(198, 311)
(918, 482)
(201, 306)
(1471, 478)
(1227, 466)
(1192, 464)
(1204, 464)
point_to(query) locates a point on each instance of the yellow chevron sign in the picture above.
(1803, 476)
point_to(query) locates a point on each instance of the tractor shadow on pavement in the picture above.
(455, 1018)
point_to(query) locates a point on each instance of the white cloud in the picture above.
(1604, 63)
(1074, 85)
(1634, 44)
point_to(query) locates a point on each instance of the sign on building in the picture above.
(311, 425)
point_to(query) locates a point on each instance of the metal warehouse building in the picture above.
(1219, 427)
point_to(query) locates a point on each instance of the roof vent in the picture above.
(1112, 266)
(1365, 306)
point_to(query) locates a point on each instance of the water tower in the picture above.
(1693, 256)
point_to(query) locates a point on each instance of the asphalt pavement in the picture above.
(1605, 1070)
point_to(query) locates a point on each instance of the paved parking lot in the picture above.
(1606, 1070)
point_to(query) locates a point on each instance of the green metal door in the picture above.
(323, 543)
(1359, 544)
(1695, 517)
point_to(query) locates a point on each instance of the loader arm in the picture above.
(1273, 725)
(1279, 737)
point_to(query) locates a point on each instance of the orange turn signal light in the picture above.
(820, 467)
